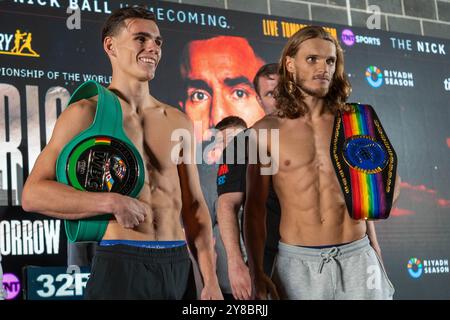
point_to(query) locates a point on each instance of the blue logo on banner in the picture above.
(415, 268)
(374, 76)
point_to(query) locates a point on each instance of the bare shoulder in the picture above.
(81, 108)
(267, 122)
(77, 117)
(176, 117)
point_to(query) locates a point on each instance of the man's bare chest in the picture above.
(308, 148)
(152, 136)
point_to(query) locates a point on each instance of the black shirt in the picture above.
(231, 178)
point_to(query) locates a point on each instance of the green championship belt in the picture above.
(99, 159)
(365, 162)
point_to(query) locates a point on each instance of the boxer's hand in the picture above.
(264, 288)
(240, 281)
(129, 212)
(211, 292)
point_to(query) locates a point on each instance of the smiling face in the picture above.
(136, 49)
(313, 66)
(218, 74)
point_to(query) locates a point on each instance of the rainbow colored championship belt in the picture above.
(365, 162)
(99, 159)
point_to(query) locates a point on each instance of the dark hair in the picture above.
(288, 95)
(116, 20)
(230, 121)
(265, 71)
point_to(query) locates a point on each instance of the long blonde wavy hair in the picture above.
(289, 97)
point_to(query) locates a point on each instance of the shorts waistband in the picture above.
(325, 247)
(144, 244)
(317, 253)
(166, 255)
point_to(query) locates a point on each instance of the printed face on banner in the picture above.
(313, 66)
(136, 49)
(218, 75)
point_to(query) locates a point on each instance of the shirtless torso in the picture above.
(170, 206)
(313, 209)
(150, 130)
(312, 204)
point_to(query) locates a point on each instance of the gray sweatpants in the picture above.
(350, 271)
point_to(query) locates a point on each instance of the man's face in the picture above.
(218, 81)
(314, 66)
(265, 96)
(137, 49)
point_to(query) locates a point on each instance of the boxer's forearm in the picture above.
(64, 202)
(255, 237)
(197, 220)
(396, 190)
(255, 218)
(371, 233)
(206, 259)
(199, 236)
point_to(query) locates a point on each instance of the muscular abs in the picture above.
(312, 204)
(150, 131)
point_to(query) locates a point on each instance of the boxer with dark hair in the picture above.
(143, 252)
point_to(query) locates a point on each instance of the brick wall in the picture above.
(423, 17)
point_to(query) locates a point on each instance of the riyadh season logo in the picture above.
(417, 267)
(376, 77)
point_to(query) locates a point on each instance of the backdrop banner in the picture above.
(47, 49)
